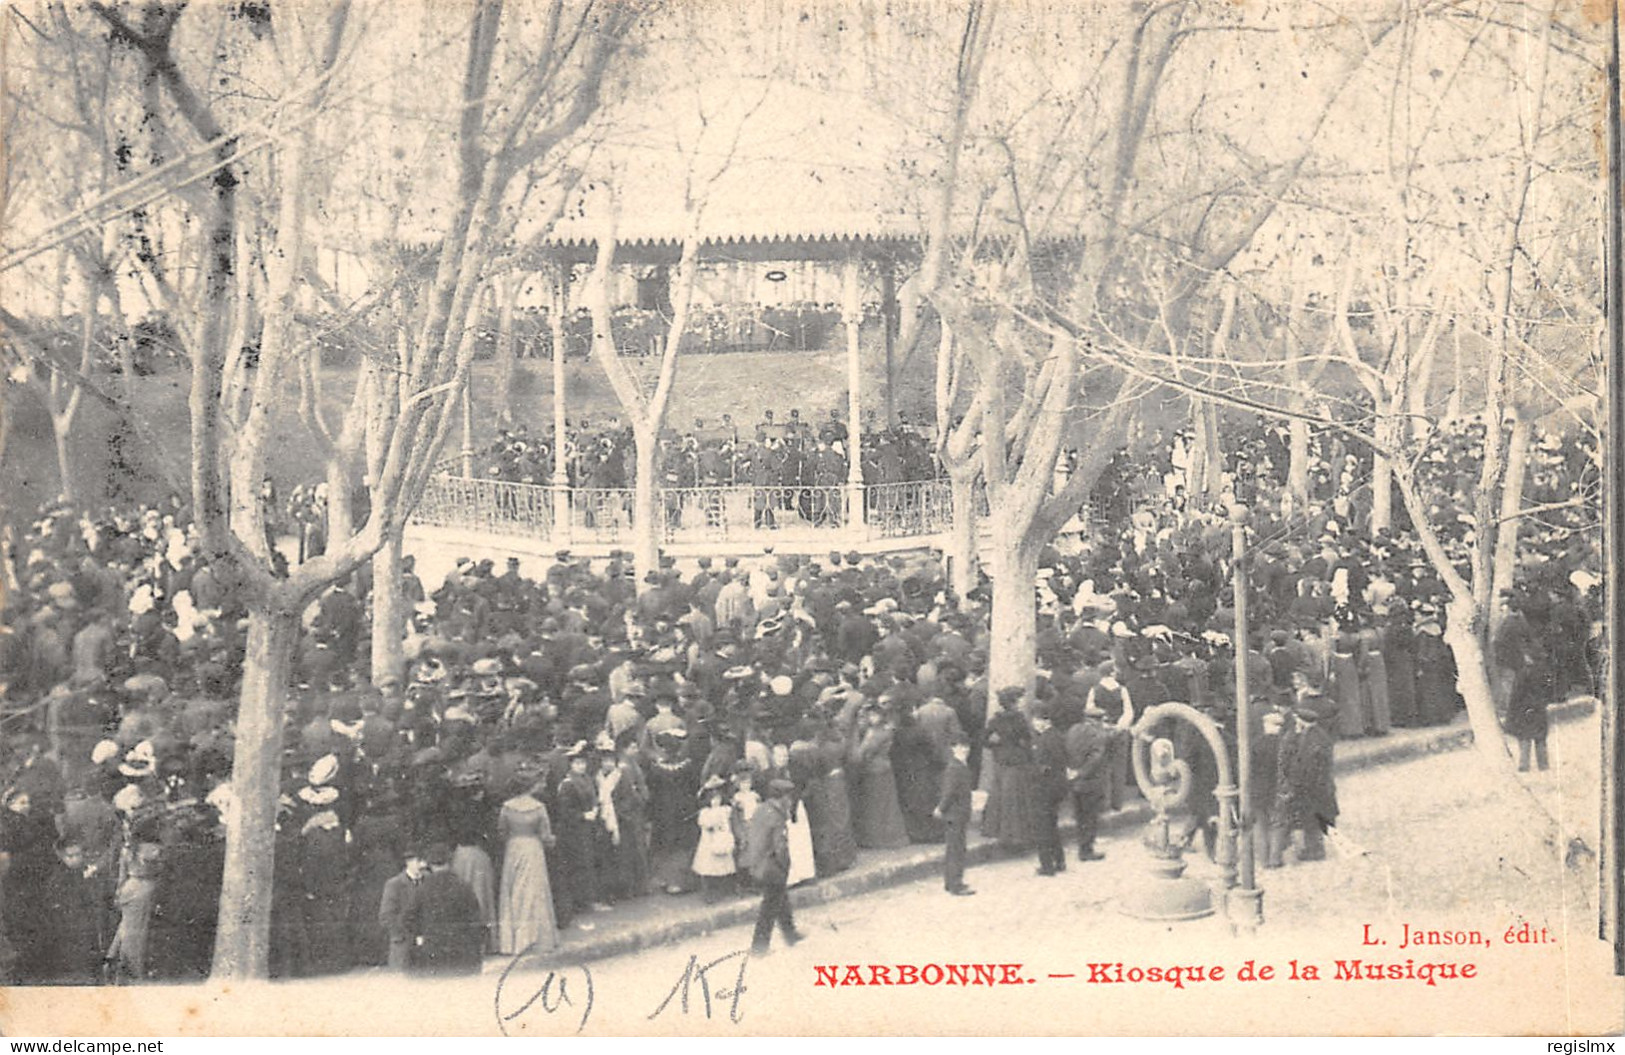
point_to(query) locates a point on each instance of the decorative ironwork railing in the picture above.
(603, 514)
(913, 509)
(495, 506)
(745, 511)
(902, 510)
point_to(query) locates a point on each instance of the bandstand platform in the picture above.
(478, 518)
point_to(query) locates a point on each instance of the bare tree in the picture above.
(710, 147)
(1042, 233)
(528, 82)
(1492, 265)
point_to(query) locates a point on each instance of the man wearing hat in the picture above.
(449, 928)
(1090, 752)
(954, 810)
(411, 586)
(768, 849)
(1050, 758)
(734, 607)
(1306, 790)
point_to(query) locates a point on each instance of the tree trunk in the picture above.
(962, 535)
(1452, 410)
(1473, 681)
(1297, 471)
(645, 511)
(1382, 494)
(1506, 533)
(388, 611)
(507, 348)
(1211, 482)
(1012, 659)
(5, 423)
(242, 945)
(1014, 628)
(62, 430)
(1390, 432)
(340, 508)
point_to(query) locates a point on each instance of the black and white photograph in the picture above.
(548, 518)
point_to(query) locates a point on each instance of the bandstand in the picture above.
(482, 516)
(831, 224)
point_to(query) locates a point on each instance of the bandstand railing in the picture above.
(838, 513)
(902, 510)
(601, 514)
(911, 509)
(499, 507)
(712, 513)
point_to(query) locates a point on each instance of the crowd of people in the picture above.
(565, 742)
(788, 452)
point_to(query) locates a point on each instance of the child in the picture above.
(714, 856)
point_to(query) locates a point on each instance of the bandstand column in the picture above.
(560, 281)
(468, 423)
(888, 331)
(852, 315)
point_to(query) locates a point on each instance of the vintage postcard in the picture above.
(849, 517)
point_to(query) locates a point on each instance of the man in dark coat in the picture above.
(1049, 752)
(1089, 754)
(1306, 792)
(187, 904)
(77, 904)
(449, 928)
(1050, 764)
(769, 864)
(941, 726)
(954, 810)
(1525, 657)
(411, 586)
(340, 620)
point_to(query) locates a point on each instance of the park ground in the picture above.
(1425, 840)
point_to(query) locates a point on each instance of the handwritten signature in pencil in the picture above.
(714, 989)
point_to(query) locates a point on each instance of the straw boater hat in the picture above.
(323, 770)
(140, 761)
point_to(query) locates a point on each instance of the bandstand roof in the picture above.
(774, 171)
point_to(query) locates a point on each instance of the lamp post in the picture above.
(1245, 905)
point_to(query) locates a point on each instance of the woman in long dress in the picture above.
(798, 832)
(1374, 682)
(525, 920)
(877, 817)
(470, 861)
(1346, 688)
(135, 899)
(1437, 700)
(1399, 654)
(1011, 815)
(829, 810)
